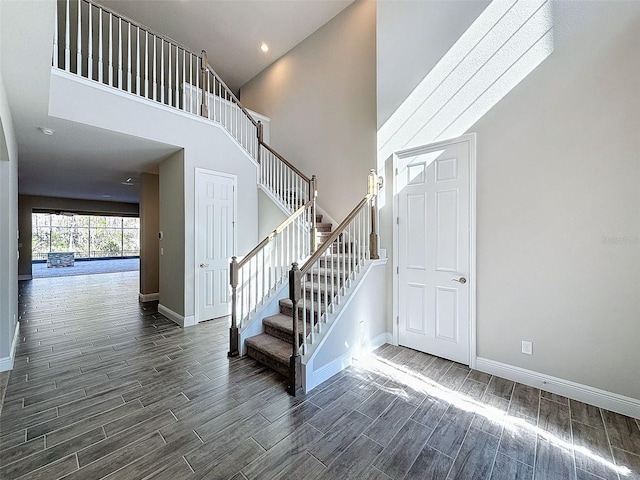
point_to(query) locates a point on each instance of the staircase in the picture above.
(273, 347)
(100, 45)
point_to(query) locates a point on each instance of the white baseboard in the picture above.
(584, 393)
(184, 322)
(25, 277)
(6, 363)
(148, 297)
(313, 378)
(379, 340)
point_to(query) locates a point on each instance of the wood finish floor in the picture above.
(103, 388)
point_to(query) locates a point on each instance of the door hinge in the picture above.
(397, 220)
(396, 171)
(398, 270)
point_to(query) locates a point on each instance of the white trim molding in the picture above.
(184, 322)
(148, 297)
(24, 277)
(6, 363)
(584, 393)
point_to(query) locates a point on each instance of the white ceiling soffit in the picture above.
(231, 31)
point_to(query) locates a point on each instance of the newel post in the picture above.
(260, 139)
(314, 213)
(374, 184)
(233, 331)
(295, 362)
(203, 78)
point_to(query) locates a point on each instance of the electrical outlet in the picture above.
(527, 347)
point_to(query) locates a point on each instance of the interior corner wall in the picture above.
(172, 226)
(321, 100)
(149, 228)
(27, 203)
(8, 231)
(558, 203)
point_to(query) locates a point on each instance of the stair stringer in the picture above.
(254, 325)
(356, 326)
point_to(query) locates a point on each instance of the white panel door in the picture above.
(215, 222)
(434, 251)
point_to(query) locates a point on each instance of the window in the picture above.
(87, 236)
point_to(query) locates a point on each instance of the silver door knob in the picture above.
(204, 265)
(462, 280)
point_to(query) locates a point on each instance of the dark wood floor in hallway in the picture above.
(105, 388)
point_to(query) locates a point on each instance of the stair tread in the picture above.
(275, 348)
(287, 302)
(283, 322)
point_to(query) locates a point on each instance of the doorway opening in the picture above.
(74, 243)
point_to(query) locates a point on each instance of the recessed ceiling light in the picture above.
(46, 130)
(264, 47)
(106, 196)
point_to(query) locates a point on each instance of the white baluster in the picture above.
(191, 95)
(177, 84)
(161, 70)
(128, 57)
(67, 39)
(184, 79)
(155, 67)
(146, 64)
(56, 26)
(100, 48)
(110, 49)
(79, 41)
(90, 44)
(138, 60)
(120, 53)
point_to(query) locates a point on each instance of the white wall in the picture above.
(8, 231)
(558, 201)
(205, 146)
(321, 100)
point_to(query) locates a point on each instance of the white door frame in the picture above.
(470, 138)
(197, 171)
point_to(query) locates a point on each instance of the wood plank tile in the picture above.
(500, 388)
(587, 414)
(623, 431)
(525, 401)
(492, 418)
(325, 419)
(377, 403)
(355, 460)
(340, 437)
(430, 464)
(476, 457)
(555, 419)
(287, 454)
(506, 468)
(448, 435)
(285, 425)
(396, 459)
(591, 446)
(390, 422)
(553, 462)
(630, 462)
(519, 444)
(430, 411)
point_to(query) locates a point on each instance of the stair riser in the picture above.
(282, 335)
(269, 361)
(287, 310)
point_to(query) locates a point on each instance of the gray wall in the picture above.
(8, 229)
(172, 215)
(26, 204)
(322, 103)
(149, 228)
(558, 216)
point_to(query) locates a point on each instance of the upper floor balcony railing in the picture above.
(99, 44)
